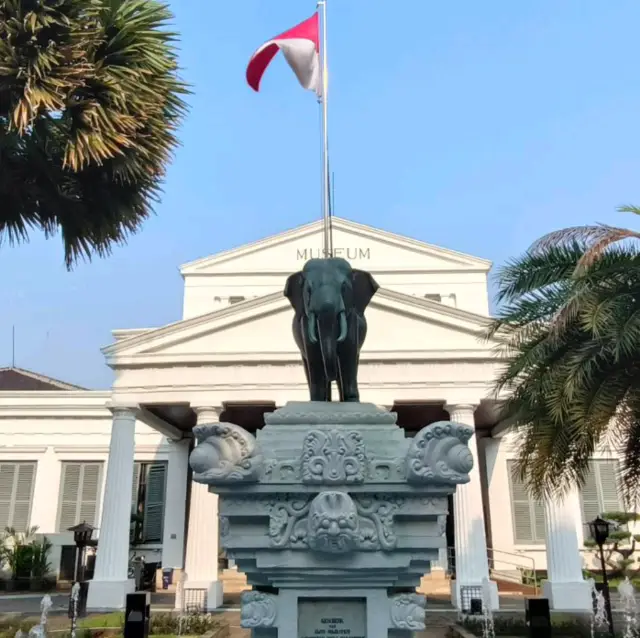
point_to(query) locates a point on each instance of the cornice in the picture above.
(22, 449)
(104, 449)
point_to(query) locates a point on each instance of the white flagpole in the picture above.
(326, 206)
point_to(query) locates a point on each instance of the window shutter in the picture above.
(135, 490)
(608, 483)
(539, 518)
(16, 492)
(23, 491)
(523, 523)
(154, 503)
(90, 493)
(80, 494)
(589, 496)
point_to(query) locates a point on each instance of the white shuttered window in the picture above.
(16, 494)
(79, 494)
(600, 492)
(528, 514)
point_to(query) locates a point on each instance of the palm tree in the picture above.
(570, 337)
(90, 101)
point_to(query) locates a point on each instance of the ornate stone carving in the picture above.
(321, 413)
(258, 609)
(289, 524)
(333, 458)
(225, 454)
(333, 523)
(376, 521)
(408, 612)
(439, 454)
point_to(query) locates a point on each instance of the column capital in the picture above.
(461, 412)
(208, 413)
(123, 411)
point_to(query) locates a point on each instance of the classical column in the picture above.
(44, 510)
(110, 584)
(175, 507)
(201, 564)
(565, 588)
(471, 562)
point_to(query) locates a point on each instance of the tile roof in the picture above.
(19, 380)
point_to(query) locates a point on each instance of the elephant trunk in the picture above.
(327, 327)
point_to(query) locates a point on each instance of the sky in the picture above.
(474, 126)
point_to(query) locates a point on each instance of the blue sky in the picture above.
(475, 126)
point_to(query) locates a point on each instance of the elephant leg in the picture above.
(319, 388)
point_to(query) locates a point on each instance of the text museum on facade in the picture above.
(69, 454)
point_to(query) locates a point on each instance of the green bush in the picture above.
(191, 625)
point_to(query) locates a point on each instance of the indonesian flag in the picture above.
(301, 49)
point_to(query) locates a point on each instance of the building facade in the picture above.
(119, 459)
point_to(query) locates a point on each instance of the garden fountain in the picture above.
(75, 595)
(629, 608)
(40, 630)
(599, 616)
(488, 626)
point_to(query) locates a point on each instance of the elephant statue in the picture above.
(329, 298)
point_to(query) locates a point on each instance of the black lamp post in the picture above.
(82, 534)
(600, 530)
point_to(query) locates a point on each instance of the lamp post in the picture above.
(82, 534)
(600, 530)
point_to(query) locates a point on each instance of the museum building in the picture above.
(118, 459)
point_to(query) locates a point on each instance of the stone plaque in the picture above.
(326, 618)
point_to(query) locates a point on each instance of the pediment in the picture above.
(260, 330)
(364, 246)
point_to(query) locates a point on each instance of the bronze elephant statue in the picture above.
(329, 298)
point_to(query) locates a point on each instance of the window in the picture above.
(433, 297)
(79, 494)
(147, 502)
(16, 492)
(528, 515)
(600, 492)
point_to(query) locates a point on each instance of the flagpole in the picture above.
(326, 203)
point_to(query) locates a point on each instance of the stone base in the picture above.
(109, 594)
(456, 598)
(568, 596)
(214, 593)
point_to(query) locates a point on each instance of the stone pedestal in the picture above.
(333, 515)
(566, 588)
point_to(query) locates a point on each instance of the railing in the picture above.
(515, 568)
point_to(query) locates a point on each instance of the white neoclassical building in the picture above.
(68, 454)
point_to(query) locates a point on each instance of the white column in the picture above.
(46, 492)
(201, 564)
(175, 506)
(565, 588)
(110, 584)
(471, 563)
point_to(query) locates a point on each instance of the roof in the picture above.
(14, 379)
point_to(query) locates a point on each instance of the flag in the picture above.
(301, 49)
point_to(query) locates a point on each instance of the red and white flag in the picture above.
(300, 47)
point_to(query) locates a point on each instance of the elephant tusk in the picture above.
(313, 334)
(343, 327)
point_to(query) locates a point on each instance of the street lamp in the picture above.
(600, 530)
(82, 534)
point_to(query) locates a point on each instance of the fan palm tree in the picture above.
(570, 337)
(90, 101)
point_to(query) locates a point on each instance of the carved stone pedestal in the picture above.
(333, 515)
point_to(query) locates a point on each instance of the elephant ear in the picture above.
(293, 291)
(364, 287)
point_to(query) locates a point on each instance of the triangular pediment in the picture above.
(259, 330)
(364, 246)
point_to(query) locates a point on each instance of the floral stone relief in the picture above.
(225, 453)
(332, 458)
(258, 609)
(439, 454)
(408, 612)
